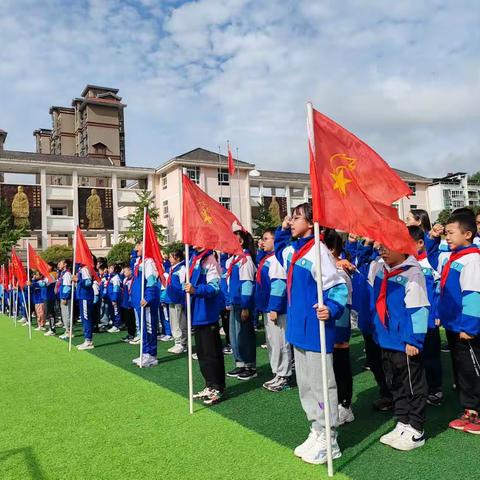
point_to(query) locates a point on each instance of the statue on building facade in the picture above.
(274, 210)
(94, 211)
(21, 209)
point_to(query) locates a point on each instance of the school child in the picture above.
(303, 330)
(432, 343)
(341, 352)
(271, 301)
(85, 294)
(206, 303)
(150, 303)
(51, 300)
(63, 289)
(39, 298)
(113, 297)
(102, 292)
(476, 239)
(225, 312)
(240, 282)
(176, 301)
(459, 313)
(400, 309)
(127, 312)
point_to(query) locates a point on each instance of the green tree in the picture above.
(135, 219)
(56, 253)
(262, 220)
(443, 216)
(475, 177)
(120, 253)
(9, 234)
(168, 248)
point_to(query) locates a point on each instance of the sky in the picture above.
(403, 76)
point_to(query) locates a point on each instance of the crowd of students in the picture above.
(398, 302)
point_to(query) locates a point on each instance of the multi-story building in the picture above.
(92, 127)
(452, 191)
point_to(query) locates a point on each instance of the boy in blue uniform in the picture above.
(400, 311)
(39, 299)
(113, 297)
(84, 294)
(459, 313)
(128, 315)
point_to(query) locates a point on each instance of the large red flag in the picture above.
(83, 255)
(231, 164)
(206, 223)
(151, 248)
(353, 187)
(18, 269)
(38, 263)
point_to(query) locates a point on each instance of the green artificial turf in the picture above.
(93, 415)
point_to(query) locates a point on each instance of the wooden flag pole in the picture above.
(74, 284)
(142, 308)
(323, 343)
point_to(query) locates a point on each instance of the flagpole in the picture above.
(230, 183)
(188, 302)
(323, 343)
(27, 307)
(221, 171)
(142, 308)
(74, 284)
(16, 306)
(239, 191)
(3, 289)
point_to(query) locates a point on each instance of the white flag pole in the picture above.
(239, 191)
(230, 178)
(74, 284)
(142, 308)
(16, 307)
(188, 302)
(323, 343)
(3, 289)
(27, 307)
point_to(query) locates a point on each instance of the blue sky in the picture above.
(404, 76)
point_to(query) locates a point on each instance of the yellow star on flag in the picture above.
(340, 181)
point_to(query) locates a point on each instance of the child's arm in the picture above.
(246, 273)
(115, 296)
(278, 286)
(282, 241)
(212, 281)
(470, 287)
(85, 279)
(418, 309)
(151, 281)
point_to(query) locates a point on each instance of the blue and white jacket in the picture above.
(407, 306)
(39, 291)
(84, 285)
(125, 296)
(432, 279)
(206, 302)
(114, 288)
(303, 330)
(65, 285)
(241, 282)
(175, 283)
(459, 302)
(271, 293)
(151, 293)
(343, 328)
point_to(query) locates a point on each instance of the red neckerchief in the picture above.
(454, 256)
(172, 271)
(138, 262)
(242, 258)
(128, 282)
(381, 303)
(421, 256)
(296, 255)
(258, 277)
(197, 258)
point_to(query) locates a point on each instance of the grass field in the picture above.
(93, 415)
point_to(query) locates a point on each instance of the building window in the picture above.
(457, 193)
(224, 202)
(58, 211)
(223, 177)
(413, 187)
(165, 208)
(193, 173)
(413, 207)
(297, 192)
(164, 181)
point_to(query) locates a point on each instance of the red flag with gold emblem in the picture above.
(152, 249)
(18, 269)
(206, 223)
(353, 187)
(83, 255)
(38, 263)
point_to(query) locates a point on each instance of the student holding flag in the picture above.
(63, 290)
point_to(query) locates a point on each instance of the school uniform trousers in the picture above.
(279, 350)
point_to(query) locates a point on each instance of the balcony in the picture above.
(59, 192)
(128, 195)
(59, 223)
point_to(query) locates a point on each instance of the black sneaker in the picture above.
(235, 372)
(227, 350)
(383, 404)
(127, 338)
(247, 374)
(435, 399)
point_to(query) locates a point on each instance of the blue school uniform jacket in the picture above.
(125, 292)
(271, 291)
(84, 285)
(65, 285)
(175, 284)
(303, 330)
(459, 301)
(151, 292)
(431, 280)
(205, 278)
(408, 307)
(241, 282)
(343, 327)
(39, 291)
(114, 288)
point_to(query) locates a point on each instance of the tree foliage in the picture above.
(168, 248)
(262, 220)
(55, 253)
(120, 253)
(475, 177)
(135, 219)
(9, 234)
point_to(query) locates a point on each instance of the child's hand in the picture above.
(286, 222)
(436, 230)
(437, 322)
(272, 316)
(189, 288)
(143, 303)
(465, 336)
(323, 313)
(244, 314)
(411, 351)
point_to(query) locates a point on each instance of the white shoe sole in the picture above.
(407, 448)
(321, 461)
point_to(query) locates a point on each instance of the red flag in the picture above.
(38, 263)
(231, 164)
(151, 248)
(353, 187)
(206, 223)
(83, 255)
(18, 269)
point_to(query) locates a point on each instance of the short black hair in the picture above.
(464, 211)
(270, 230)
(333, 240)
(465, 221)
(306, 210)
(416, 232)
(178, 253)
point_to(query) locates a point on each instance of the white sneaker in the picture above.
(202, 394)
(145, 357)
(42, 329)
(50, 333)
(86, 346)
(177, 349)
(149, 361)
(63, 336)
(303, 448)
(113, 329)
(194, 356)
(23, 321)
(389, 437)
(37, 329)
(409, 439)
(345, 415)
(165, 338)
(135, 341)
(318, 453)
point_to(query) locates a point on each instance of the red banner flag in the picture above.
(83, 255)
(38, 263)
(353, 187)
(206, 223)
(231, 164)
(18, 269)
(151, 248)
